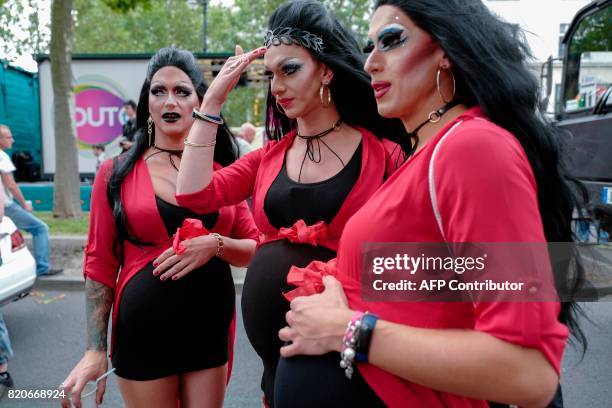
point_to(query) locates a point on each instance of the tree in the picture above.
(353, 14)
(67, 183)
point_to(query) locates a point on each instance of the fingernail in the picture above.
(154, 273)
(155, 264)
(174, 277)
(163, 278)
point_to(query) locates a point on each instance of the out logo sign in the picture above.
(99, 112)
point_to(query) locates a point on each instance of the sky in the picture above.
(540, 18)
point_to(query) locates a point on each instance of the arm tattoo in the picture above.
(99, 302)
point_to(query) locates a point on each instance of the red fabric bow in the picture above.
(300, 233)
(191, 228)
(309, 280)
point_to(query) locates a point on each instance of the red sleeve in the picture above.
(229, 186)
(244, 226)
(486, 192)
(101, 264)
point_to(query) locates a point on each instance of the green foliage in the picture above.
(594, 33)
(71, 226)
(243, 24)
(355, 15)
(240, 106)
(19, 28)
(147, 27)
(246, 23)
(123, 6)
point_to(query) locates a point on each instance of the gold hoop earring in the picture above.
(280, 109)
(438, 85)
(150, 129)
(324, 87)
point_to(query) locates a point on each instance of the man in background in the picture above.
(98, 151)
(129, 128)
(21, 214)
(246, 135)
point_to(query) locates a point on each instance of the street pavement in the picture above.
(586, 379)
(48, 335)
(47, 332)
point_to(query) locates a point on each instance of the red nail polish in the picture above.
(155, 264)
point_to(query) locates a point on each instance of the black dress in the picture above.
(172, 327)
(263, 304)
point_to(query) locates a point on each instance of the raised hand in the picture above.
(229, 75)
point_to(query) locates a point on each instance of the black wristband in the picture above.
(364, 337)
(217, 120)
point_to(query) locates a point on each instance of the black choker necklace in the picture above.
(434, 117)
(176, 152)
(170, 152)
(336, 126)
(310, 146)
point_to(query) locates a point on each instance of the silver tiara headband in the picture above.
(289, 36)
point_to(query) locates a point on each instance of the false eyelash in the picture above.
(157, 90)
(185, 91)
(390, 39)
(291, 68)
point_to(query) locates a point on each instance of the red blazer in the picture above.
(253, 174)
(144, 223)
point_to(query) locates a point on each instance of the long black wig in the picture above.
(350, 87)
(489, 60)
(225, 149)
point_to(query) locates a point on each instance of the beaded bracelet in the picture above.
(348, 344)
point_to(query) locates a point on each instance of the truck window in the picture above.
(589, 64)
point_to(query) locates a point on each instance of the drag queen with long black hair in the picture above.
(171, 337)
(323, 164)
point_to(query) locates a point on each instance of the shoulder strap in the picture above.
(432, 184)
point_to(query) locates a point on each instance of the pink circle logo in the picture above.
(99, 113)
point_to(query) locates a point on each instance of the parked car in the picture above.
(17, 266)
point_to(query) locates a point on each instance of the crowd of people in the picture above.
(407, 142)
